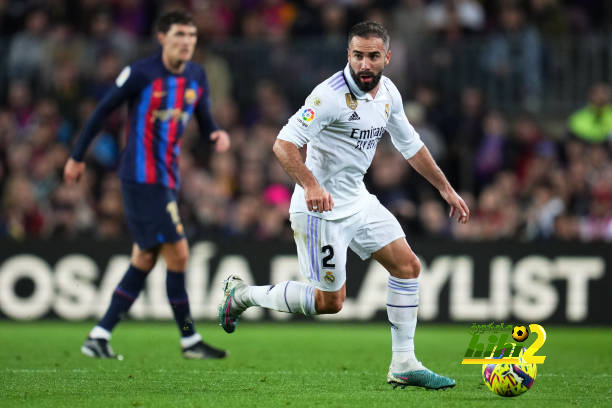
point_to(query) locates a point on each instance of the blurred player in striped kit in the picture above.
(162, 91)
(342, 121)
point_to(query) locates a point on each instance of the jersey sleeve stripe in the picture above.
(336, 81)
(339, 85)
(335, 77)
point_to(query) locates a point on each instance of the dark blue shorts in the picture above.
(151, 213)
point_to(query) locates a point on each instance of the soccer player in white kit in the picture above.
(342, 121)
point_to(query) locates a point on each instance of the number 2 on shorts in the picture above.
(328, 250)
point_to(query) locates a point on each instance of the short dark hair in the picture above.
(165, 21)
(366, 29)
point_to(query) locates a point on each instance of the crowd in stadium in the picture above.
(521, 179)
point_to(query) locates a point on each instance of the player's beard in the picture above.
(366, 86)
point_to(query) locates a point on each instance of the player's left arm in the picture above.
(408, 142)
(206, 122)
(425, 164)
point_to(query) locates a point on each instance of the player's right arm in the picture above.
(306, 124)
(127, 84)
(317, 198)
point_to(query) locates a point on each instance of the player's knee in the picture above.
(330, 306)
(409, 269)
(144, 260)
(178, 260)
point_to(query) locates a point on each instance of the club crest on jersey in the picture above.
(387, 110)
(351, 101)
(190, 96)
(329, 277)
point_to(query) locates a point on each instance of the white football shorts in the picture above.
(322, 244)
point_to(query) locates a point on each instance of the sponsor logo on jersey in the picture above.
(351, 101)
(159, 94)
(170, 114)
(190, 96)
(354, 116)
(367, 138)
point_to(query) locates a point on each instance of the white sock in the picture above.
(289, 296)
(190, 340)
(402, 306)
(99, 332)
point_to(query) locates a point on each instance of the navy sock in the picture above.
(177, 295)
(124, 295)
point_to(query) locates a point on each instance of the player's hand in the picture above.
(457, 205)
(221, 139)
(73, 170)
(318, 199)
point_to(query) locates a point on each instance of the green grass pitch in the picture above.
(281, 365)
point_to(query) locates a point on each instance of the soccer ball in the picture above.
(510, 380)
(520, 333)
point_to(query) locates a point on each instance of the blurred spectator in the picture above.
(542, 211)
(217, 72)
(489, 157)
(513, 60)
(410, 36)
(62, 44)
(549, 17)
(566, 227)
(433, 219)
(132, 16)
(463, 129)
(466, 14)
(105, 37)
(20, 104)
(27, 53)
(593, 123)
(21, 215)
(429, 135)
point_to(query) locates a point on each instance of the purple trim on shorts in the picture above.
(317, 221)
(310, 245)
(287, 303)
(402, 306)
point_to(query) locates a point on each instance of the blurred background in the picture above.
(511, 97)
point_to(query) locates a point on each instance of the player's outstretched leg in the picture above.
(287, 296)
(405, 369)
(420, 378)
(230, 309)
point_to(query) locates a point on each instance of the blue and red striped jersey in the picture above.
(160, 103)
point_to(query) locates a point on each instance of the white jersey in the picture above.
(342, 125)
